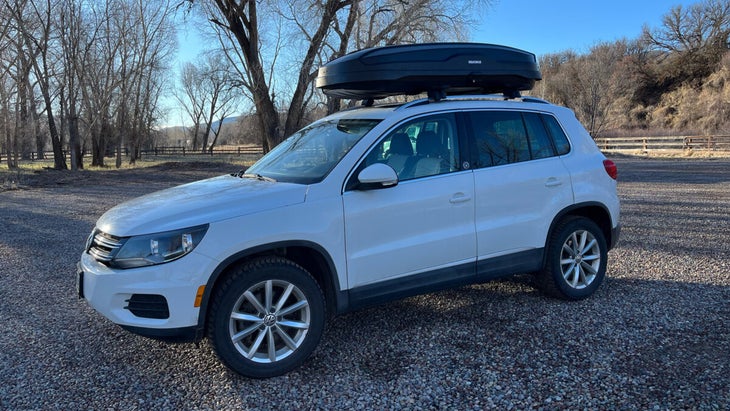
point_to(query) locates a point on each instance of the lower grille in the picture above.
(148, 306)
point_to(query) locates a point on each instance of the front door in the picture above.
(422, 227)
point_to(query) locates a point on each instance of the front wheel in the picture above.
(267, 317)
(576, 259)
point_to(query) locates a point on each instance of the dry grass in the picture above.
(670, 153)
(30, 173)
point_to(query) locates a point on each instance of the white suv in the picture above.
(362, 207)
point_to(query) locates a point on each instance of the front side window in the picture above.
(311, 153)
(419, 148)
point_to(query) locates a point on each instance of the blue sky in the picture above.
(549, 26)
(538, 26)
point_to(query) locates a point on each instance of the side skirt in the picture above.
(518, 263)
(441, 279)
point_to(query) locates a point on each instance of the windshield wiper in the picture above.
(256, 176)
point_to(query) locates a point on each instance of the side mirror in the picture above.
(377, 176)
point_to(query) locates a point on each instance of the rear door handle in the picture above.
(553, 182)
(459, 198)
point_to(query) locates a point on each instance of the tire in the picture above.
(575, 264)
(266, 318)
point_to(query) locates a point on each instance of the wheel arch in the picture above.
(311, 256)
(594, 211)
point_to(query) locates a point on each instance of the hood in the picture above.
(197, 203)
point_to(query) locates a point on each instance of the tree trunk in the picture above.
(40, 140)
(59, 160)
(248, 38)
(297, 106)
(74, 139)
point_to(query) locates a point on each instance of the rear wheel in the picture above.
(267, 317)
(576, 259)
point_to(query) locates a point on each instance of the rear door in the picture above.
(520, 185)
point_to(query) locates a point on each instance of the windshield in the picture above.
(311, 153)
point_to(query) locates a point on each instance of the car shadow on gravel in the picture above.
(629, 334)
(629, 344)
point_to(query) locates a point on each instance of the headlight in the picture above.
(157, 248)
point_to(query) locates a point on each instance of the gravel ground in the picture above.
(655, 336)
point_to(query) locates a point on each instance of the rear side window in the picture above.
(500, 137)
(562, 145)
(505, 137)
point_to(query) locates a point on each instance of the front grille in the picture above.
(148, 306)
(103, 247)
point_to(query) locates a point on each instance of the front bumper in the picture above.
(136, 299)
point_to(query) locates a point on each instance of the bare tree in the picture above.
(97, 67)
(10, 49)
(586, 83)
(76, 39)
(152, 48)
(222, 96)
(303, 34)
(34, 23)
(103, 79)
(692, 28)
(192, 98)
(693, 39)
(207, 94)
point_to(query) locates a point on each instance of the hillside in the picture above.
(673, 79)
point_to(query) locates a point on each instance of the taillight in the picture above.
(611, 169)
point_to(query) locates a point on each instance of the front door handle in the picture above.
(459, 198)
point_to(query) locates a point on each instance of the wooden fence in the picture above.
(182, 151)
(671, 143)
(174, 151)
(617, 144)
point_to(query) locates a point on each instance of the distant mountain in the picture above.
(179, 135)
(216, 124)
(225, 121)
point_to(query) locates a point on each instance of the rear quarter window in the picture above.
(540, 144)
(562, 145)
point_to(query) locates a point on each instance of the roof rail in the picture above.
(413, 103)
(530, 99)
(468, 97)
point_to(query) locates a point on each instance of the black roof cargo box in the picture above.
(438, 68)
